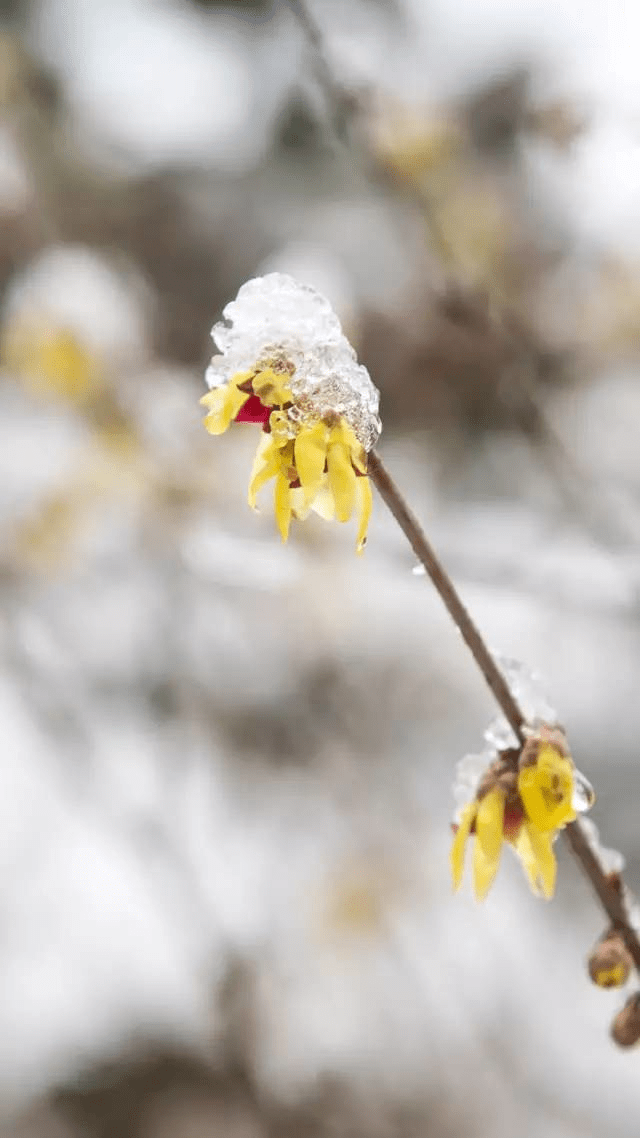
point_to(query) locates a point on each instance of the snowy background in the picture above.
(225, 789)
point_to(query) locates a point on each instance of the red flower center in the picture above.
(513, 819)
(253, 411)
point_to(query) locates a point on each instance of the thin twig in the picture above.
(340, 103)
(343, 110)
(425, 553)
(609, 893)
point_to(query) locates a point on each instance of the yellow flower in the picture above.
(262, 389)
(546, 788)
(525, 807)
(285, 365)
(51, 359)
(316, 463)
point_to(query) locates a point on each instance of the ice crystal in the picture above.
(276, 322)
(526, 688)
(469, 773)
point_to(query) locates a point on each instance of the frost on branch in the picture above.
(286, 366)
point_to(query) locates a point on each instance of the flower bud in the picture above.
(609, 962)
(625, 1029)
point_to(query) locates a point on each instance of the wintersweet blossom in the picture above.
(522, 798)
(285, 365)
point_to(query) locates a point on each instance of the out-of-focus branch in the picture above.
(608, 524)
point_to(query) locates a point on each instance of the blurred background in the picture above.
(225, 796)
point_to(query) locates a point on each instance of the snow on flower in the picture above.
(285, 365)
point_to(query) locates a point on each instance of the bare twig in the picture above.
(468, 630)
(339, 101)
(343, 110)
(609, 892)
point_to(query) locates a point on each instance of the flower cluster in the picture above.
(523, 797)
(286, 366)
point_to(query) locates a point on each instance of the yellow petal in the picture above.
(266, 465)
(484, 871)
(535, 851)
(489, 824)
(282, 505)
(299, 506)
(366, 505)
(546, 789)
(323, 504)
(342, 478)
(357, 452)
(545, 861)
(460, 842)
(522, 846)
(223, 404)
(310, 454)
(281, 429)
(271, 387)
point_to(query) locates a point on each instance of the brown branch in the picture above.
(343, 110)
(609, 893)
(425, 553)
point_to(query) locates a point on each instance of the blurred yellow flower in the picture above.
(50, 359)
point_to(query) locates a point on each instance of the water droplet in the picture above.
(583, 793)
